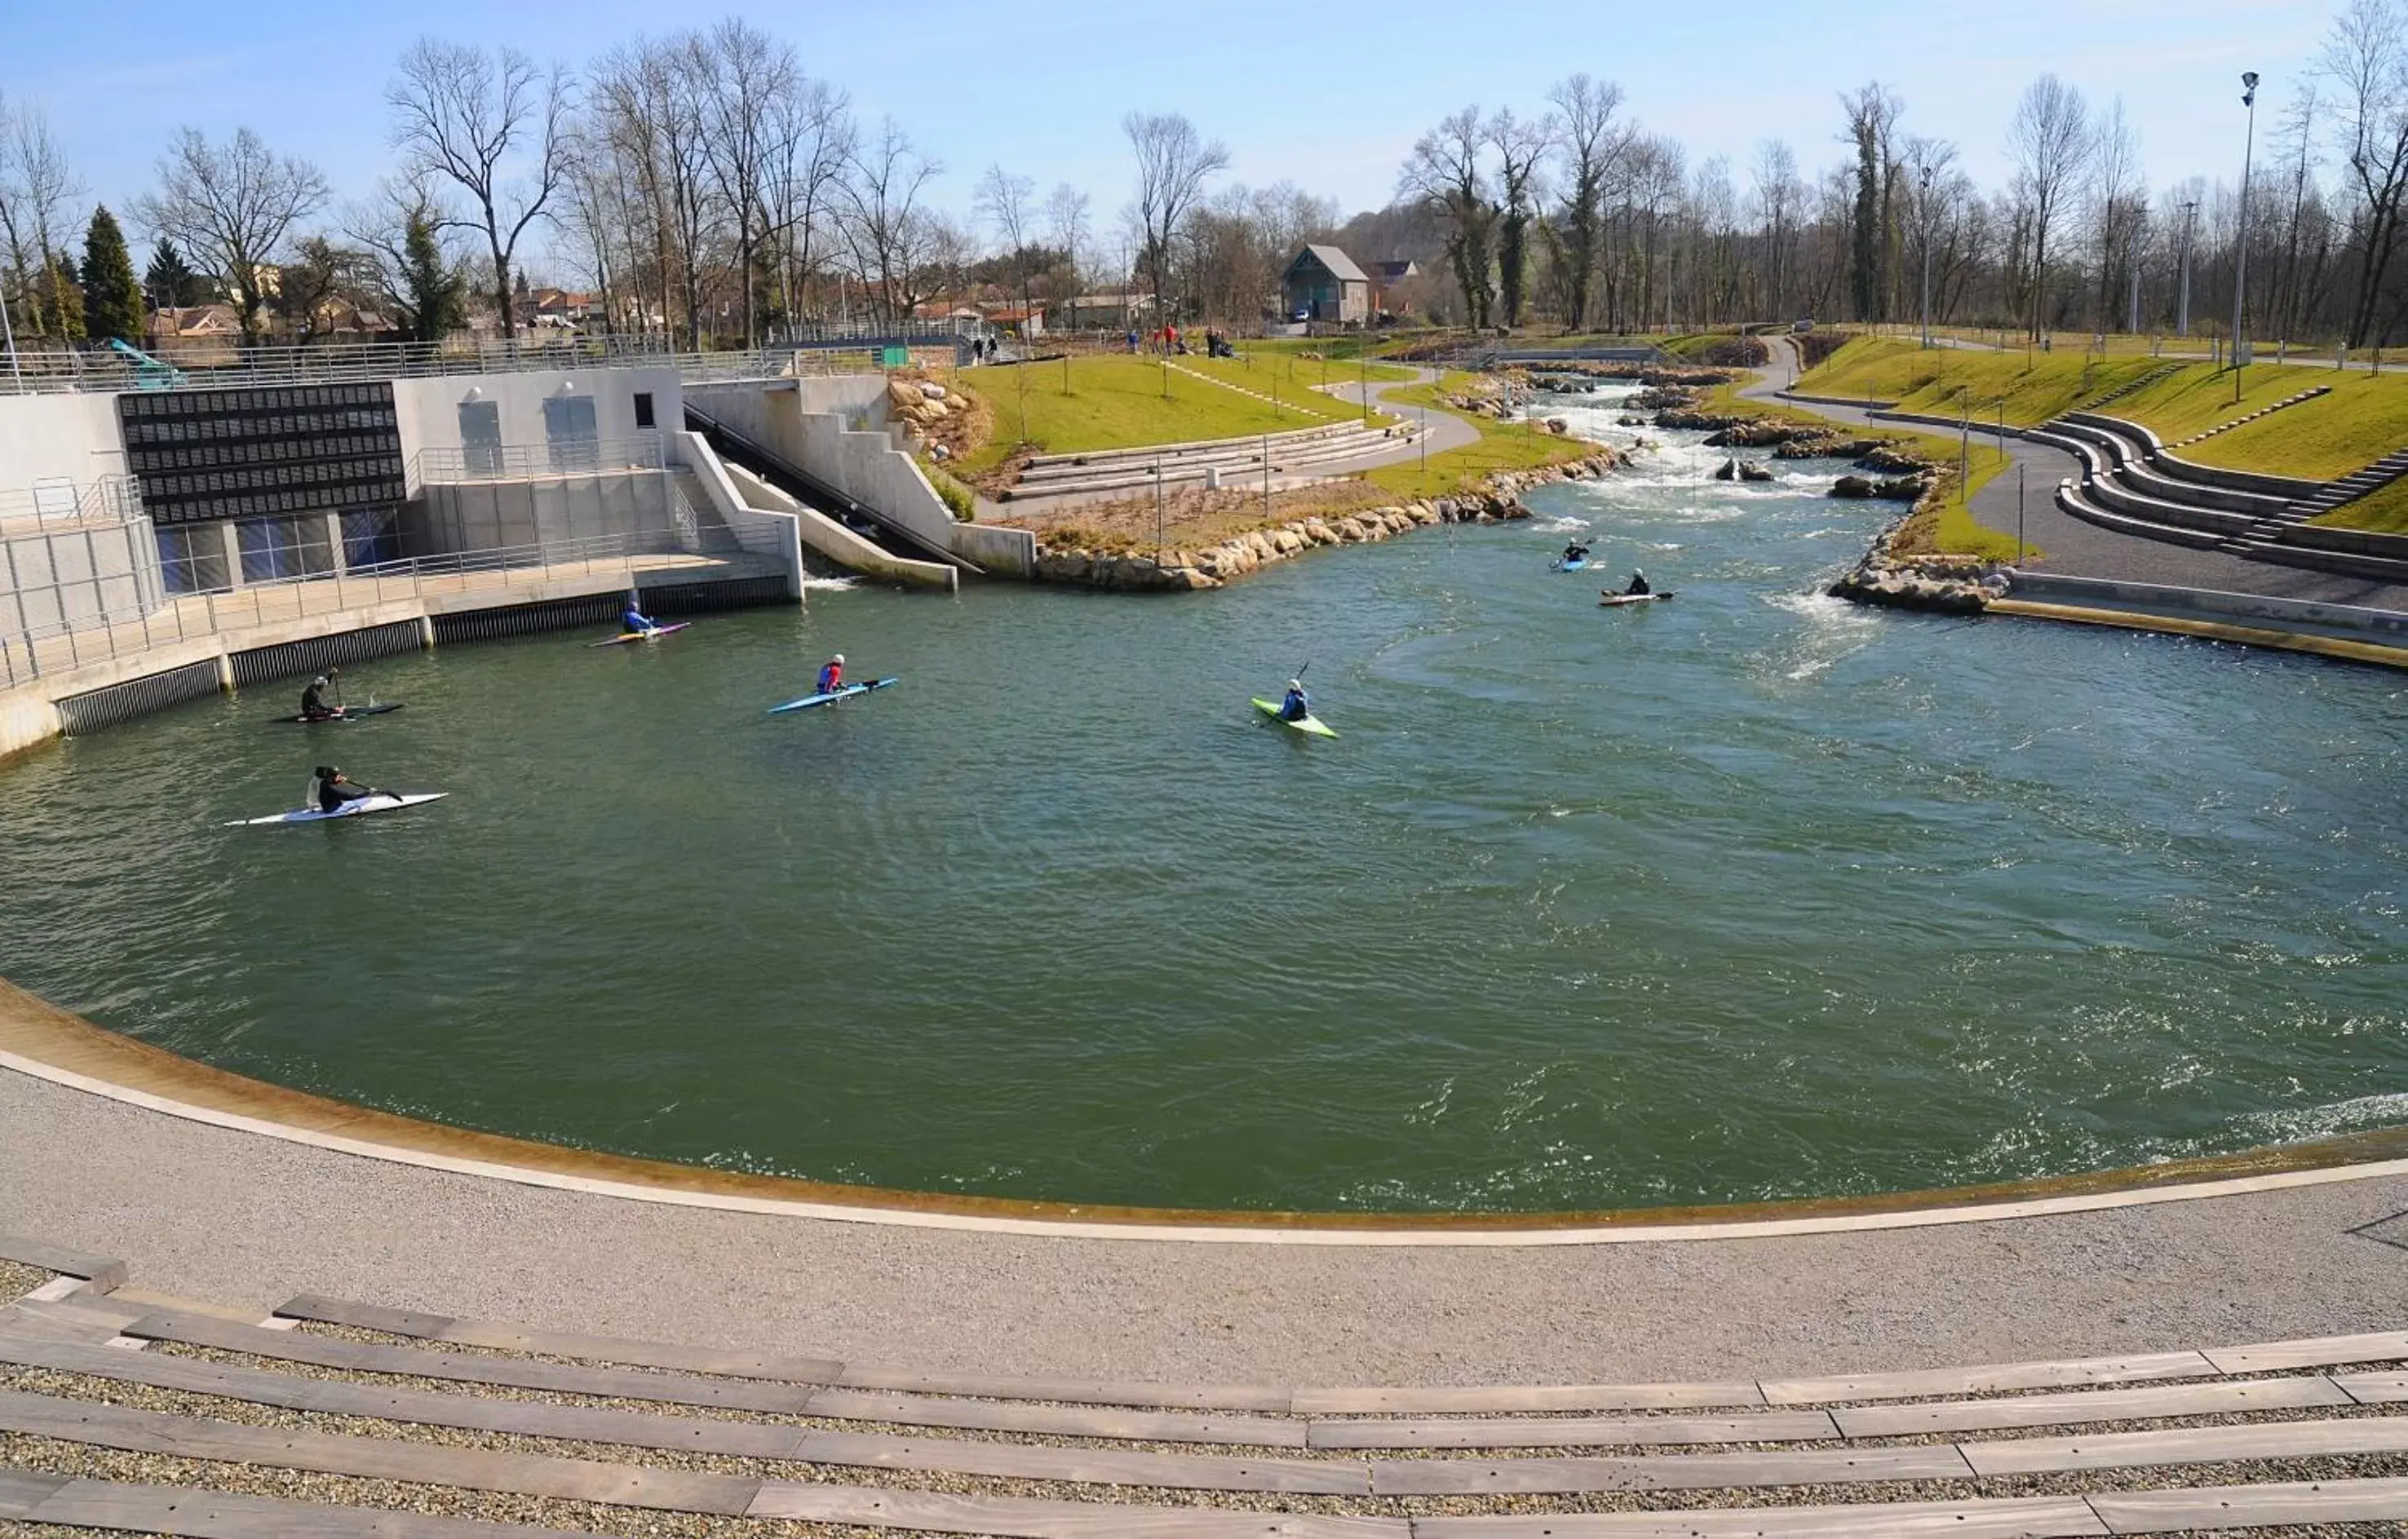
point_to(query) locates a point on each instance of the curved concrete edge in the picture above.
(2246, 635)
(44, 1042)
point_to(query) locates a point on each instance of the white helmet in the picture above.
(838, 658)
(1296, 684)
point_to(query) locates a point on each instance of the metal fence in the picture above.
(561, 457)
(828, 347)
(57, 500)
(131, 625)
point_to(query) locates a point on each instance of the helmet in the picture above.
(320, 680)
(1636, 573)
(1296, 684)
(838, 658)
(327, 772)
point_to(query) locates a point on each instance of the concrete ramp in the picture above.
(733, 495)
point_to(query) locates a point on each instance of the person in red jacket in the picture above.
(832, 676)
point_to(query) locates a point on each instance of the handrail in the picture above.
(512, 461)
(814, 487)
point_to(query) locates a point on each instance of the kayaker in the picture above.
(832, 675)
(334, 787)
(313, 699)
(1575, 552)
(1296, 707)
(1638, 585)
(635, 622)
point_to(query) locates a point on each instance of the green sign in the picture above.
(894, 358)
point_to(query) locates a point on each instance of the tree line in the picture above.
(712, 192)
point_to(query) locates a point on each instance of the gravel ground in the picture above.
(2077, 1483)
(17, 1280)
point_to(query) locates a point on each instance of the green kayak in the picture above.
(1312, 726)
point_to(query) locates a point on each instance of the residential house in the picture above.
(1111, 312)
(1324, 285)
(1013, 321)
(196, 333)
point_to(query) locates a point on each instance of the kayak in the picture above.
(846, 692)
(1572, 565)
(1312, 726)
(382, 802)
(654, 634)
(1616, 600)
(351, 714)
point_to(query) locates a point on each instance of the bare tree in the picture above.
(894, 240)
(1446, 174)
(1778, 195)
(495, 125)
(1009, 204)
(2300, 125)
(2365, 58)
(745, 78)
(1520, 148)
(1173, 162)
(816, 140)
(648, 118)
(1589, 143)
(2051, 141)
(35, 186)
(1066, 225)
(2120, 205)
(230, 208)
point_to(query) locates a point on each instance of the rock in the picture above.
(1350, 530)
(1726, 471)
(933, 391)
(1852, 486)
(939, 453)
(1754, 473)
(1901, 489)
(1882, 457)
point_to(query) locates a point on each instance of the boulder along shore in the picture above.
(1211, 566)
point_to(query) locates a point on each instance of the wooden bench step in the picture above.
(104, 1275)
(1575, 1432)
(2024, 1518)
(1673, 1471)
(2312, 1352)
(2254, 1506)
(1992, 1379)
(1029, 1517)
(1529, 1400)
(205, 1515)
(2076, 1407)
(2190, 1446)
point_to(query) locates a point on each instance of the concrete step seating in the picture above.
(128, 1412)
(2357, 484)
(1125, 469)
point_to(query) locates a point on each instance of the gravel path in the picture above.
(248, 1220)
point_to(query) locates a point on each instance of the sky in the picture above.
(1329, 97)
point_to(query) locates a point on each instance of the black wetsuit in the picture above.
(313, 701)
(334, 794)
(1637, 586)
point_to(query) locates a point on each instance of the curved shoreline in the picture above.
(44, 1042)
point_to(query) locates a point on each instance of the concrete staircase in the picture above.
(1238, 459)
(2132, 483)
(136, 1413)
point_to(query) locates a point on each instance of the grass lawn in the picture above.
(1294, 377)
(2365, 418)
(2385, 512)
(1117, 402)
(1503, 446)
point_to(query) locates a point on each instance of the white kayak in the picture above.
(382, 802)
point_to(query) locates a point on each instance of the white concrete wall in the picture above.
(428, 410)
(70, 577)
(764, 532)
(58, 437)
(493, 515)
(837, 543)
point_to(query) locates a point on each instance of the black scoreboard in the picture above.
(206, 455)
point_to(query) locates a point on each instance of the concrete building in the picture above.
(1324, 285)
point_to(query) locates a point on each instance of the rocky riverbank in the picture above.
(1214, 565)
(1949, 585)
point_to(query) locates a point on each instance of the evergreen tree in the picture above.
(433, 292)
(64, 292)
(169, 282)
(112, 300)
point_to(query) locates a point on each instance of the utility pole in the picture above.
(2023, 475)
(2241, 239)
(8, 333)
(2182, 306)
(1924, 208)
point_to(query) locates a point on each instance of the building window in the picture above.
(568, 432)
(643, 408)
(193, 561)
(371, 537)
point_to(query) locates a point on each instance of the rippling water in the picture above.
(1750, 895)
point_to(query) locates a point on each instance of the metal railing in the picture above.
(28, 651)
(58, 501)
(818, 352)
(514, 461)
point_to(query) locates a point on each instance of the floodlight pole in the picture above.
(2240, 255)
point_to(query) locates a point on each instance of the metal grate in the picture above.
(98, 708)
(529, 619)
(695, 598)
(316, 655)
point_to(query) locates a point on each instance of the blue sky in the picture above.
(1041, 87)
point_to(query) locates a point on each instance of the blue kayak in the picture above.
(1571, 565)
(832, 696)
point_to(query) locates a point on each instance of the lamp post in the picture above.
(2182, 306)
(2241, 241)
(1924, 208)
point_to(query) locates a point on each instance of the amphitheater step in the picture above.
(203, 1515)
(105, 1276)
(560, 1343)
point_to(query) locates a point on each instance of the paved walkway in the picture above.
(2075, 547)
(233, 1216)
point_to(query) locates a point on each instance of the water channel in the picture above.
(1746, 895)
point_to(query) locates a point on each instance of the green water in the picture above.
(1746, 895)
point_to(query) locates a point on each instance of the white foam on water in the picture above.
(830, 585)
(1561, 526)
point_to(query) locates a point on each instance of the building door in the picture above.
(568, 431)
(480, 438)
